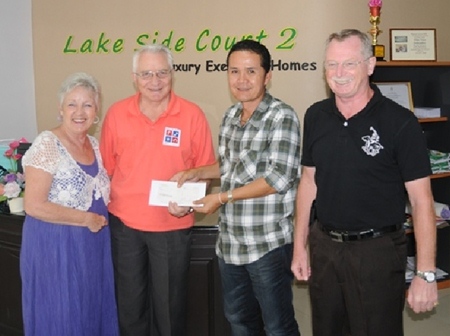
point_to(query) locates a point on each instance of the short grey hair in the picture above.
(344, 34)
(80, 79)
(152, 49)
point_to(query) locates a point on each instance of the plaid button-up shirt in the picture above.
(267, 146)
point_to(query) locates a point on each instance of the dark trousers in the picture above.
(151, 273)
(357, 288)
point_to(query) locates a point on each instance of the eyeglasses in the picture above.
(161, 74)
(346, 65)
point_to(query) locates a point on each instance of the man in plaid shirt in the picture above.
(259, 155)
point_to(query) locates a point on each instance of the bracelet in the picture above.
(230, 196)
(220, 200)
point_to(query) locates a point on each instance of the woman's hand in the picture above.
(95, 222)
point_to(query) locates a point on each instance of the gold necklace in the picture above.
(244, 121)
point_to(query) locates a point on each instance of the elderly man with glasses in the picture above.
(151, 136)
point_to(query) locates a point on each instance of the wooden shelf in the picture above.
(443, 284)
(429, 87)
(427, 120)
(413, 63)
(440, 175)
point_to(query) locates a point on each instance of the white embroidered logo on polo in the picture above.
(172, 137)
(372, 145)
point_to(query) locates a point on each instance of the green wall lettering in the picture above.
(216, 42)
(144, 39)
(204, 41)
(288, 43)
(67, 49)
(90, 46)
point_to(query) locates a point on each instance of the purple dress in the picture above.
(67, 277)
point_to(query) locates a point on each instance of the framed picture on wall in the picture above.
(413, 44)
(400, 92)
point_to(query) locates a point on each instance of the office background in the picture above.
(44, 41)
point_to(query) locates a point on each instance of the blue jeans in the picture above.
(258, 296)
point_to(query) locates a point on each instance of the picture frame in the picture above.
(400, 92)
(418, 44)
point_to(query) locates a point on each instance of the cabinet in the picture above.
(205, 309)
(430, 87)
(10, 285)
(205, 312)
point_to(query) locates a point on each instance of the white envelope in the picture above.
(163, 192)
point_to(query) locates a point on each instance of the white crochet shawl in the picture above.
(71, 186)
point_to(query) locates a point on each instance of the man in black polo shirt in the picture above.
(361, 151)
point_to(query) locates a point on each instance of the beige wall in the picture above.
(54, 21)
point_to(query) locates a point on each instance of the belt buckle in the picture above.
(336, 236)
(369, 233)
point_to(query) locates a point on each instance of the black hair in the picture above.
(257, 48)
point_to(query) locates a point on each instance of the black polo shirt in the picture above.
(362, 163)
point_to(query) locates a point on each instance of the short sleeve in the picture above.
(43, 153)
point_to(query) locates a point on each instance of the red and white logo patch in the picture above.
(172, 137)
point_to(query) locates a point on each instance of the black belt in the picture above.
(343, 236)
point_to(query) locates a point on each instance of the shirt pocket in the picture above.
(253, 161)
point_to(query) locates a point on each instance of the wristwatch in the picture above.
(428, 276)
